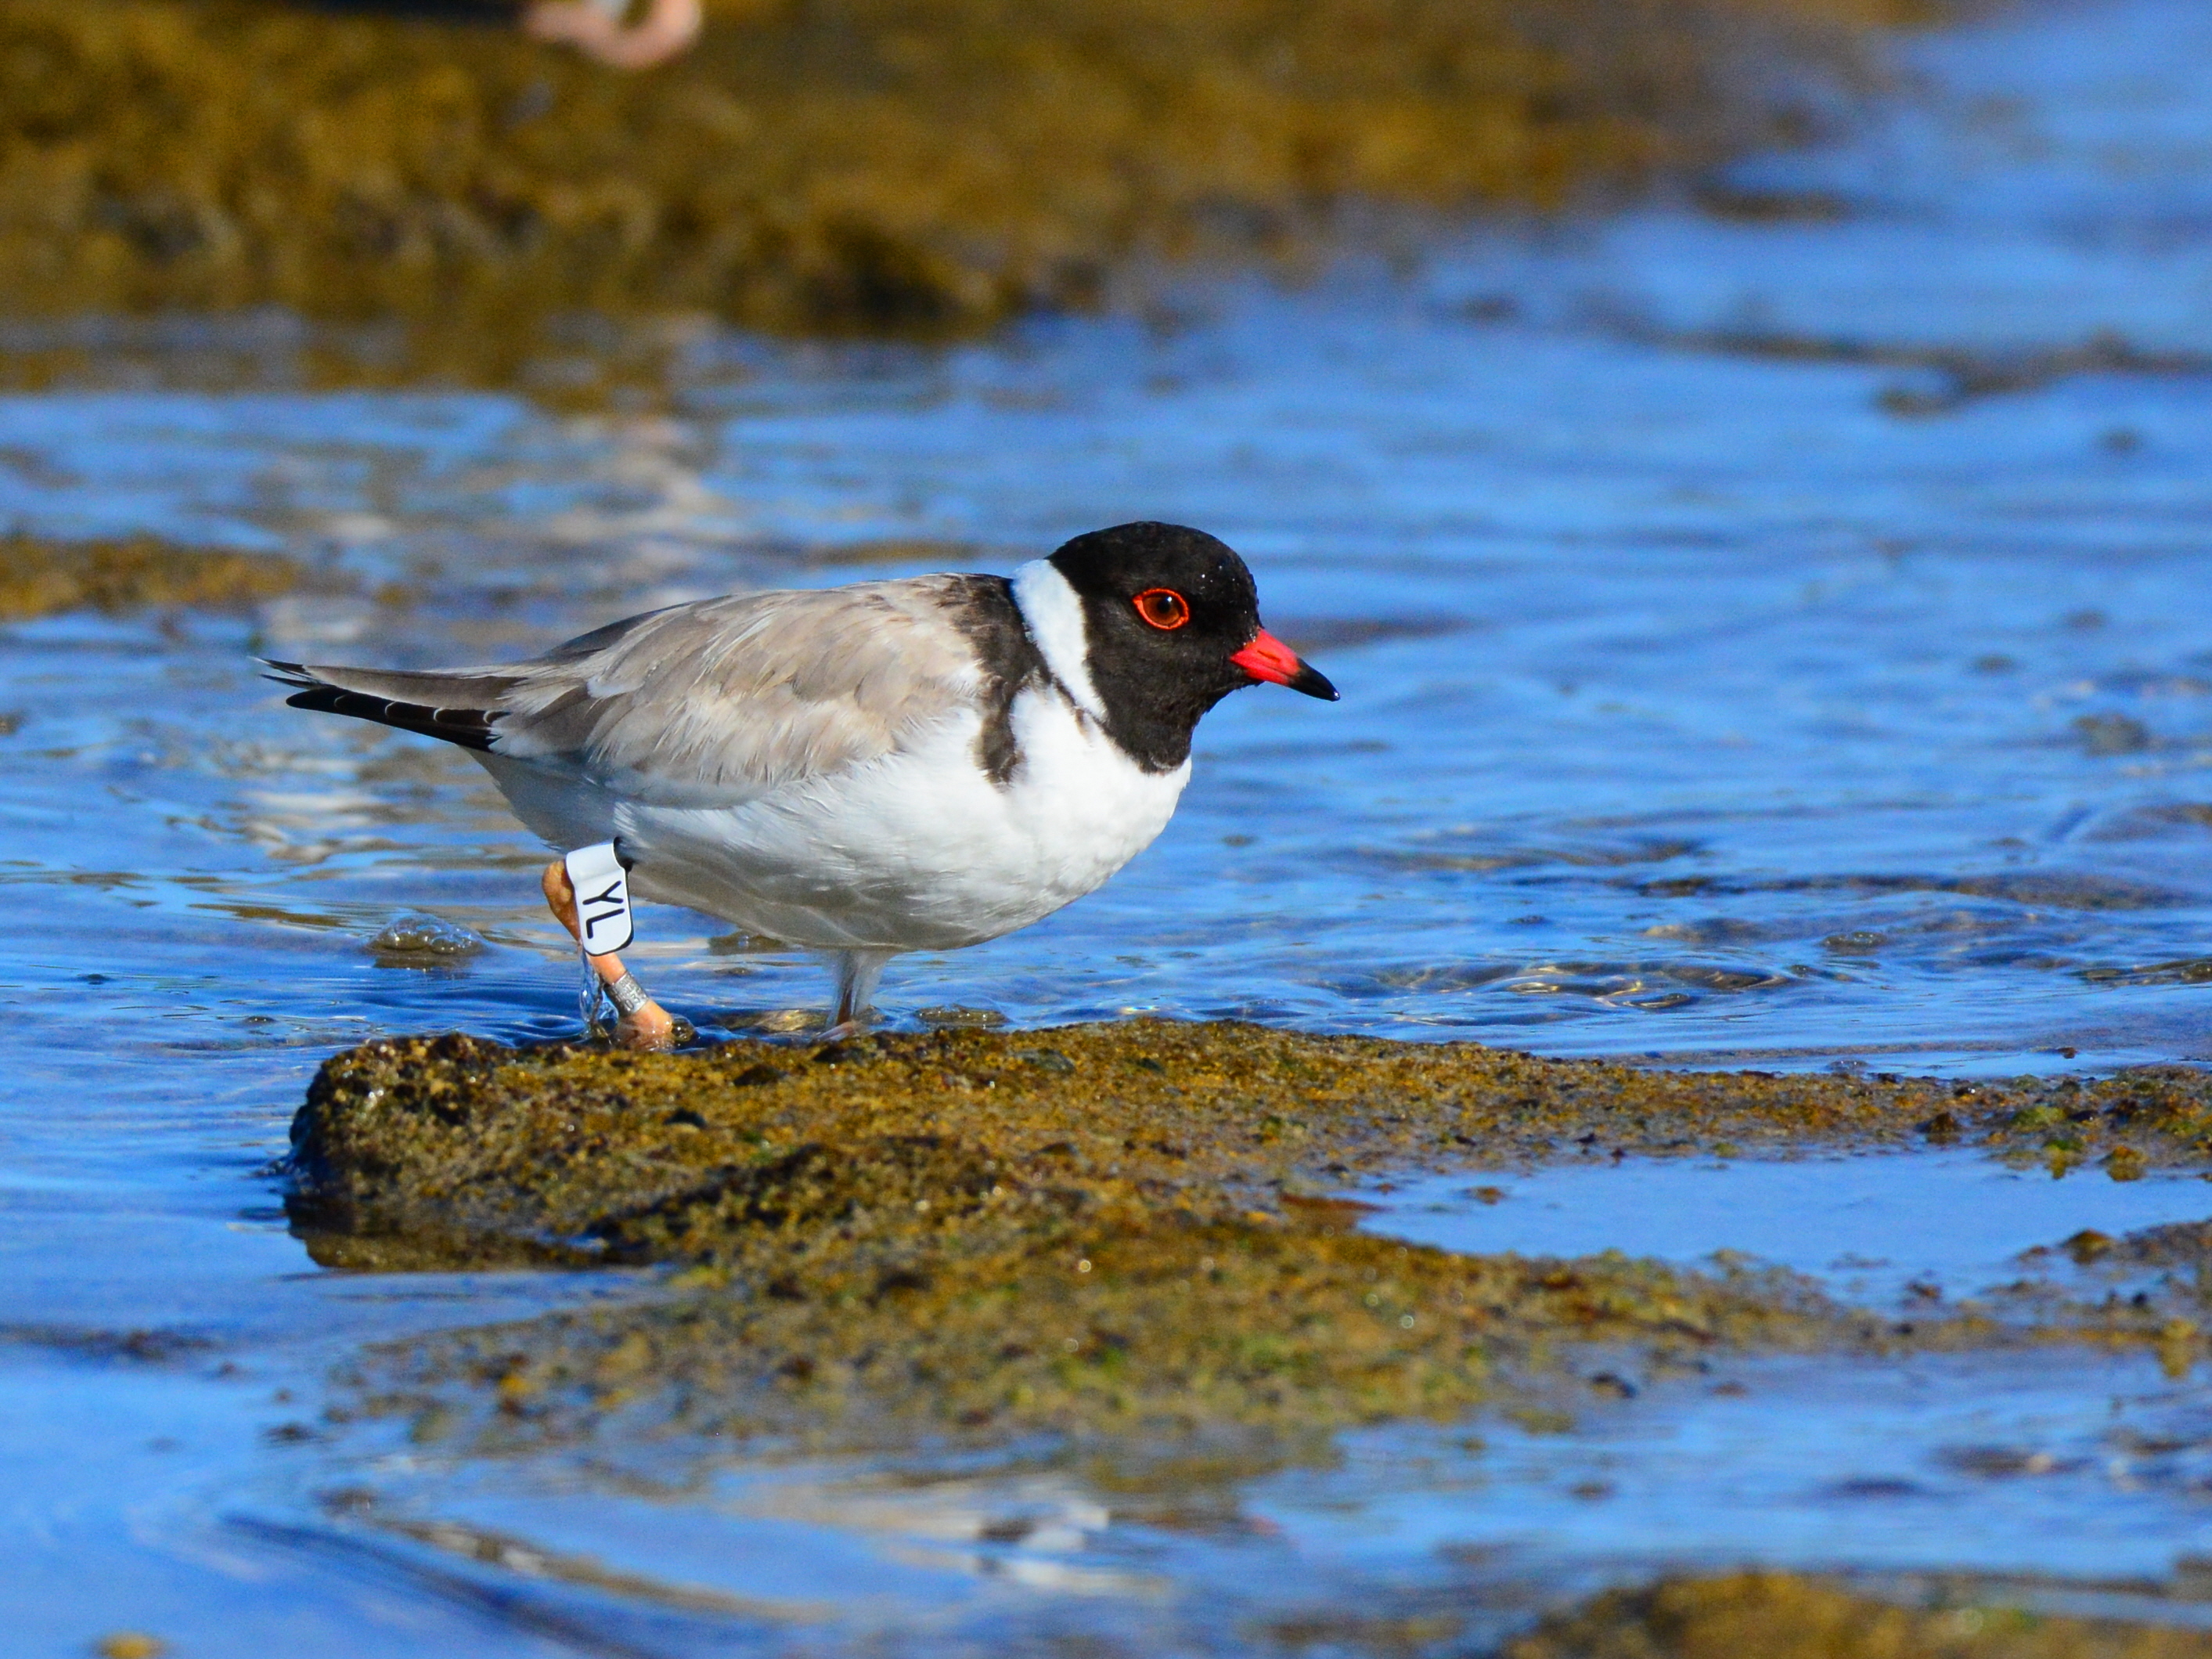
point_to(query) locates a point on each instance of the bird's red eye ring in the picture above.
(1164, 608)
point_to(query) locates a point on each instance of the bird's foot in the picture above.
(643, 1023)
(651, 1028)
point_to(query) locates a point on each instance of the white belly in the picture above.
(917, 851)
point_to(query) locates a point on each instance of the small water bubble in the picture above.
(1857, 941)
(419, 941)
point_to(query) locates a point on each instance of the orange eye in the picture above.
(1162, 607)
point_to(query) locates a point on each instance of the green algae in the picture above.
(42, 578)
(1154, 1332)
(910, 165)
(643, 1157)
(1777, 1616)
(1110, 1229)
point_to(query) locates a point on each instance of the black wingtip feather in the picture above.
(469, 727)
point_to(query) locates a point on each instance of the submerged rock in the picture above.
(1095, 1228)
(1777, 1616)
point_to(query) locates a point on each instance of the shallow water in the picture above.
(1877, 1230)
(1767, 639)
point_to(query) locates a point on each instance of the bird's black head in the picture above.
(1171, 626)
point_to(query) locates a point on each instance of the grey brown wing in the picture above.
(713, 702)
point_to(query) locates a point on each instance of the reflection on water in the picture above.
(1765, 637)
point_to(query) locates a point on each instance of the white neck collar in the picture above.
(1053, 616)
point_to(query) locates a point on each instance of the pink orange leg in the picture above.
(649, 1027)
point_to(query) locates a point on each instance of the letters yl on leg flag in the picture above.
(603, 917)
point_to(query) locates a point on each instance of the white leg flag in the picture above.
(602, 898)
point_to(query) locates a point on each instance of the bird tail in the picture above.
(461, 707)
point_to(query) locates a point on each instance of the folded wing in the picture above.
(710, 703)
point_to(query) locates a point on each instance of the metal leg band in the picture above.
(627, 995)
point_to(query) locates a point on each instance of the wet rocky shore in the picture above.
(1133, 1228)
(1138, 1240)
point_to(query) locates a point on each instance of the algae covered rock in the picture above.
(1086, 1229)
(1095, 1228)
(1777, 1615)
(595, 1155)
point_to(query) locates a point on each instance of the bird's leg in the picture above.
(858, 971)
(644, 1023)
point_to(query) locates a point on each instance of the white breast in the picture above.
(919, 850)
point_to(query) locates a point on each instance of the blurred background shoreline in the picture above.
(918, 167)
